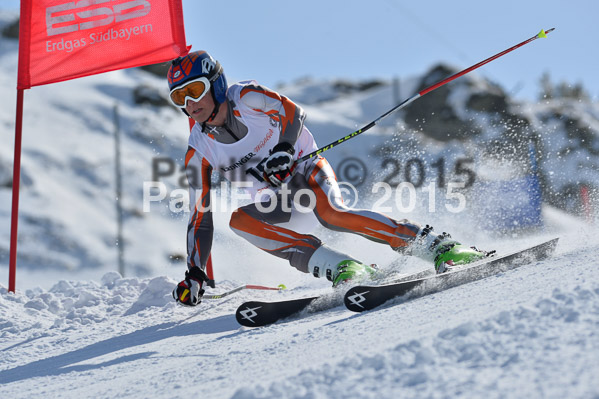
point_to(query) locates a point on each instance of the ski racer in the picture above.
(252, 136)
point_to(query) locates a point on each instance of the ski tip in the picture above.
(281, 287)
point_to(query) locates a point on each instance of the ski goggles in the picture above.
(193, 90)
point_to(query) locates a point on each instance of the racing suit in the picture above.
(257, 119)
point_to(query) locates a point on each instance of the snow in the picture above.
(530, 332)
(77, 328)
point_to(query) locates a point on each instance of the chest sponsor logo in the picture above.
(263, 142)
(239, 163)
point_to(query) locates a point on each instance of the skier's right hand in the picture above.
(190, 291)
(279, 165)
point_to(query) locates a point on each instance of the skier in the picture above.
(253, 135)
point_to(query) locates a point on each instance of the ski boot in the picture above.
(352, 270)
(338, 267)
(452, 253)
(443, 251)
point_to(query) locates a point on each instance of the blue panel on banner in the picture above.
(511, 204)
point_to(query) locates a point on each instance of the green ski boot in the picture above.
(452, 253)
(443, 251)
(338, 267)
(351, 270)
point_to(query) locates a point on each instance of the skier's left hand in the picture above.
(279, 166)
(190, 291)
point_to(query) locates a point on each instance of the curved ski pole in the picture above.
(541, 34)
(244, 287)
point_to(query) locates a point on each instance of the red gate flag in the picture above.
(62, 39)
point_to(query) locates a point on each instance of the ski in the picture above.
(366, 297)
(259, 314)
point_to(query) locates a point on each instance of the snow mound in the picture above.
(69, 304)
(157, 293)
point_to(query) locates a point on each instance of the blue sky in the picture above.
(278, 42)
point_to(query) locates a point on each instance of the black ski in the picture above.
(366, 297)
(258, 314)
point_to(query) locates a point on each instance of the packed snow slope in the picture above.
(76, 328)
(530, 332)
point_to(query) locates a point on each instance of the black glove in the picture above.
(190, 291)
(279, 165)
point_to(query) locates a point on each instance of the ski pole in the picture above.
(542, 33)
(244, 287)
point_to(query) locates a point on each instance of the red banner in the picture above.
(61, 39)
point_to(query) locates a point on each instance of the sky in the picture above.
(272, 42)
(277, 42)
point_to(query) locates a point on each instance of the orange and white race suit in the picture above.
(259, 118)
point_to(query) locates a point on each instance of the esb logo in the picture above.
(85, 14)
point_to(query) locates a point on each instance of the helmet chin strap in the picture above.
(214, 112)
